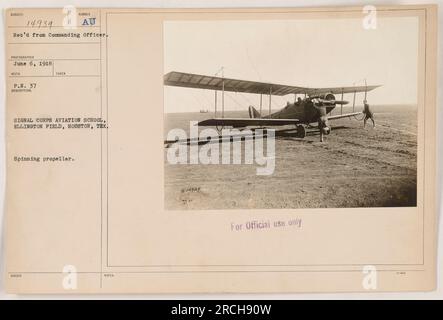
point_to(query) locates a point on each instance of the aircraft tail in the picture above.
(253, 113)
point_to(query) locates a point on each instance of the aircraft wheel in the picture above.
(301, 131)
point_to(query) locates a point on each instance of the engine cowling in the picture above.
(329, 97)
(326, 96)
(325, 100)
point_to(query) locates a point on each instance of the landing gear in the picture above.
(321, 135)
(301, 131)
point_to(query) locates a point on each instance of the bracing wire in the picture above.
(233, 99)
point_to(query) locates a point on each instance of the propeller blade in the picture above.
(332, 102)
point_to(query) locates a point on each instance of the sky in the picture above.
(307, 53)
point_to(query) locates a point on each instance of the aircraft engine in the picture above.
(328, 96)
(327, 99)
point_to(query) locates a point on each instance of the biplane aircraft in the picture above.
(314, 108)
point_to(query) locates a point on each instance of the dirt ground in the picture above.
(353, 167)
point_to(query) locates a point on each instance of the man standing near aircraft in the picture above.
(368, 114)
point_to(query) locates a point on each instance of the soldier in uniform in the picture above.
(368, 114)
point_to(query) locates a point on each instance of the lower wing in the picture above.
(244, 122)
(345, 115)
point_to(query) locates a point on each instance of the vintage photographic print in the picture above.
(297, 113)
(241, 150)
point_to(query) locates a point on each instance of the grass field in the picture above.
(353, 167)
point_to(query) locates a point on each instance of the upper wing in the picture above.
(244, 122)
(345, 115)
(340, 90)
(189, 80)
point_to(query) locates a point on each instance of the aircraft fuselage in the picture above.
(303, 110)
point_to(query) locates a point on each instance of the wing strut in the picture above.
(261, 101)
(270, 97)
(341, 106)
(215, 98)
(222, 90)
(223, 98)
(353, 102)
